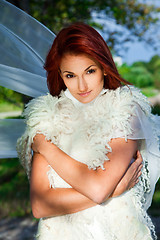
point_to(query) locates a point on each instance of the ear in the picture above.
(105, 74)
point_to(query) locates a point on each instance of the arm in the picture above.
(47, 202)
(90, 182)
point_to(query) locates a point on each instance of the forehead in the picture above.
(81, 61)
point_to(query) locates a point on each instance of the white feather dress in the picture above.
(83, 131)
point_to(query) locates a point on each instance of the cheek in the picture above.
(70, 84)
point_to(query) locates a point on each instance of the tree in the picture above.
(154, 68)
(154, 64)
(8, 95)
(134, 16)
(137, 74)
(143, 74)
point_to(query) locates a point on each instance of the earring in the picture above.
(105, 74)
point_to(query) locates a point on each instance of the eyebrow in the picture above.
(84, 70)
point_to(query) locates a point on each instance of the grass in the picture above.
(8, 107)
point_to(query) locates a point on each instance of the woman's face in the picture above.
(83, 76)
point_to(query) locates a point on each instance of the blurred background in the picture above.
(132, 31)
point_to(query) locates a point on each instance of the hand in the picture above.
(39, 143)
(131, 177)
(134, 172)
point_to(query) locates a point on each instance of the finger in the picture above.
(134, 182)
(138, 162)
(139, 168)
(138, 153)
(139, 174)
(139, 156)
(135, 179)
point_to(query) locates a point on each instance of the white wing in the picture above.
(24, 43)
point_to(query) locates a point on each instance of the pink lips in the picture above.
(85, 94)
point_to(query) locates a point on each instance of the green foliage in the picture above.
(149, 91)
(14, 189)
(154, 64)
(124, 69)
(155, 207)
(141, 77)
(132, 15)
(153, 67)
(10, 100)
(143, 74)
(156, 76)
(9, 107)
(137, 75)
(7, 94)
(156, 109)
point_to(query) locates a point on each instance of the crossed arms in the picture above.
(89, 187)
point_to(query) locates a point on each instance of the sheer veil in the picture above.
(24, 43)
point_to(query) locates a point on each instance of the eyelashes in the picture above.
(90, 71)
(69, 76)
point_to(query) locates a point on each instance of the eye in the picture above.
(91, 71)
(69, 76)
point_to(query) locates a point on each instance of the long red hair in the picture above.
(80, 38)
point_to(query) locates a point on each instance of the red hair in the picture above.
(80, 38)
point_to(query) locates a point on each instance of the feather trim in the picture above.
(95, 122)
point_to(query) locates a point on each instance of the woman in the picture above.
(84, 135)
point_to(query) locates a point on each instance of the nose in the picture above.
(82, 84)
